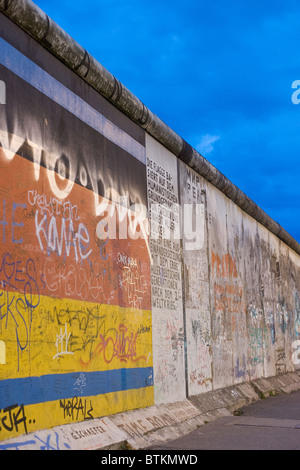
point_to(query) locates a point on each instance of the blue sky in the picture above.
(219, 73)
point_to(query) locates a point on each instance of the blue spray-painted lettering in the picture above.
(13, 223)
(16, 224)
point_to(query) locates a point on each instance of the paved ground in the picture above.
(270, 424)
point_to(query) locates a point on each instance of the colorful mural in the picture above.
(127, 279)
(75, 300)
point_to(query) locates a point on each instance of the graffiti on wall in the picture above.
(196, 285)
(229, 322)
(227, 289)
(75, 300)
(166, 283)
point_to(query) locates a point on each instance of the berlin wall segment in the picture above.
(127, 279)
(76, 329)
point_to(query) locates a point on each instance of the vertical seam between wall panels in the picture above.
(183, 285)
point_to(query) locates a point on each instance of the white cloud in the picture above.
(205, 145)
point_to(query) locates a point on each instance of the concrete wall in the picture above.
(237, 310)
(75, 306)
(128, 278)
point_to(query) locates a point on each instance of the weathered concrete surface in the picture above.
(35, 22)
(177, 420)
(281, 384)
(156, 331)
(157, 426)
(158, 423)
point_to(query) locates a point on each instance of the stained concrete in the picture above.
(268, 424)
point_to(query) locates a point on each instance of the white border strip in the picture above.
(20, 65)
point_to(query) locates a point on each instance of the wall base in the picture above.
(155, 425)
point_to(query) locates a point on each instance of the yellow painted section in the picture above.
(61, 336)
